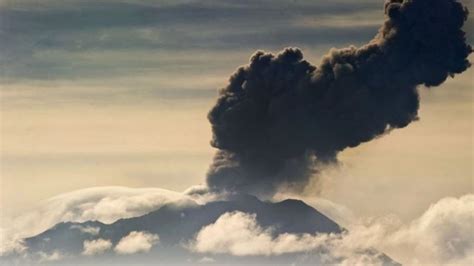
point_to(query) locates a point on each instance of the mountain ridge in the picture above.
(177, 225)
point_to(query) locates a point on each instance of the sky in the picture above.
(101, 93)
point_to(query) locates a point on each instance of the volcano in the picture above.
(177, 224)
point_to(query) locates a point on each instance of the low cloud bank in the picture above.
(441, 235)
(108, 204)
(104, 204)
(239, 234)
(11, 244)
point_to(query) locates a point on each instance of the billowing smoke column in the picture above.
(280, 116)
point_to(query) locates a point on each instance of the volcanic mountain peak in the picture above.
(173, 227)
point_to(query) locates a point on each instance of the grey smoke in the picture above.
(280, 116)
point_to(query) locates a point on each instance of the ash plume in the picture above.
(280, 116)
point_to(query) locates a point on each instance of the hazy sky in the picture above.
(100, 93)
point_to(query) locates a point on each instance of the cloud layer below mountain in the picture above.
(104, 204)
(441, 235)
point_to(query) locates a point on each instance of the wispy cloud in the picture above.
(36, 34)
(11, 243)
(105, 204)
(87, 229)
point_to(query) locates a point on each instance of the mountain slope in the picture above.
(177, 225)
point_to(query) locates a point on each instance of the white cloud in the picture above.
(104, 204)
(96, 246)
(87, 229)
(108, 204)
(11, 245)
(202, 194)
(136, 242)
(239, 234)
(442, 235)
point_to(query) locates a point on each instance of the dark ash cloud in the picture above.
(280, 116)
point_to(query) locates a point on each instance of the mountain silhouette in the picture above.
(176, 225)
